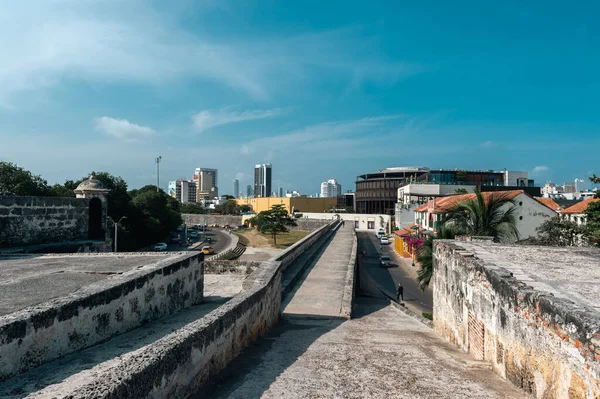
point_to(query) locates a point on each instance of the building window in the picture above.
(370, 225)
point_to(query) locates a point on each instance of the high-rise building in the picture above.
(206, 182)
(248, 191)
(262, 180)
(236, 188)
(280, 191)
(183, 190)
(330, 188)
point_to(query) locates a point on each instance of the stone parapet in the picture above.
(499, 303)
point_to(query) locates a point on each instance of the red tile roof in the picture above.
(580, 206)
(549, 202)
(446, 204)
(406, 231)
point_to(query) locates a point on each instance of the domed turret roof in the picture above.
(91, 184)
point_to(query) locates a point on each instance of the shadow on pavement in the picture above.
(252, 373)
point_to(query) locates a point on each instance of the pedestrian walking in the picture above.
(400, 292)
(343, 223)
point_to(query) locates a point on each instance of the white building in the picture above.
(183, 191)
(236, 188)
(330, 188)
(360, 221)
(530, 213)
(576, 213)
(516, 178)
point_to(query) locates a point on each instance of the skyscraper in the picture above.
(330, 188)
(262, 180)
(236, 188)
(248, 191)
(281, 191)
(206, 180)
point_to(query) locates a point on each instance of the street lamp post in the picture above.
(158, 173)
(116, 230)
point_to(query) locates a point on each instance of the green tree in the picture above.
(64, 190)
(228, 197)
(274, 221)
(154, 215)
(461, 191)
(592, 226)
(493, 216)
(14, 180)
(557, 232)
(596, 180)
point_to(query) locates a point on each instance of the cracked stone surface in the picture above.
(29, 280)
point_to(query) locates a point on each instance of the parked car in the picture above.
(208, 250)
(161, 246)
(180, 228)
(193, 234)
(380, 232)
(385, 240)
(385, 261)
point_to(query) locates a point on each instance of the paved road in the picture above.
(387, 279)
(220, 240)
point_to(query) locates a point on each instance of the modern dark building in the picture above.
(345, 200)
(378, 192)
(262, 180)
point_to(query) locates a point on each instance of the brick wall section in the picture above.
(547, 346)
(41, 220)
(476, 337)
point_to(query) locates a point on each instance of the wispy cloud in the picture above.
(210, 118)
(487, 144)
(122, 129)
(109, 41)
(540, 169)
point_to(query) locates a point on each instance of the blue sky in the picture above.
(319, 89)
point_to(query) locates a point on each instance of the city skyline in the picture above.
(301, 86)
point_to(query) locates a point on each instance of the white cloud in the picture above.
(487, 144)
(210, 118)
(122, 129)
(112, 41)
(540, 169)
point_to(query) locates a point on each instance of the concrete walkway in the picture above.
(320, 291)
(382, 353)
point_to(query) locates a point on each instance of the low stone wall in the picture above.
(39, 220)
(221, 220)
(349, 286)
(229, 267)
(179, 364)
(290, 254)
(309, 224)
(546, 345)
(44, 332)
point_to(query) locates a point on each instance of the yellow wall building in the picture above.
(299, 204)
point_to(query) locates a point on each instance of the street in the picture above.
(387, 279)
(220, 240)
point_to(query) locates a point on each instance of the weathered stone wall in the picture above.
(229, 267)
(349, 283)
(40, 220)
(546, 345)
(221, 220)
(179, 364)
(290, 254)
(41, 333)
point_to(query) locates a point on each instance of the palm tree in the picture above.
(493, 215)
(425, 255)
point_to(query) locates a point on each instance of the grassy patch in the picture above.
(427, 315)
(252, 238)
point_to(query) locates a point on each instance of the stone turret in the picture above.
(97, 193)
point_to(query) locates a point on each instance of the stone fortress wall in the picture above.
(28, 221)
(522, 310)
(40, 333)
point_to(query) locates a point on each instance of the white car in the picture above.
(384, 240)
(161, 246)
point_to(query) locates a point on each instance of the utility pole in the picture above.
(116, 230)
(158, 173)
